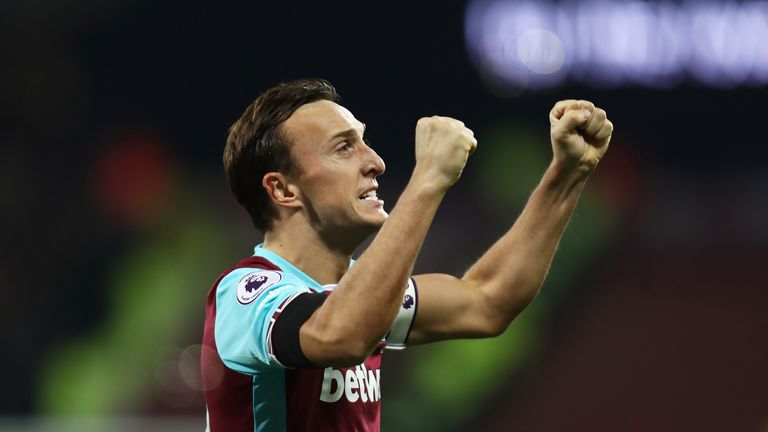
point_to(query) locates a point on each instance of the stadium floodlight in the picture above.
(533, 45)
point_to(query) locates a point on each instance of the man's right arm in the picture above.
(346, 328)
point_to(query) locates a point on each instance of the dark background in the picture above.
(116, 218)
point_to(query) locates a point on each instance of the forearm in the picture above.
(507, 277)
(367, 298)
(512, 271)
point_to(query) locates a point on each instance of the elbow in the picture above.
(337, 343)
(340, 350)
(348, 353)
(499, 315)
(495, 327)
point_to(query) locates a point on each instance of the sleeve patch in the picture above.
(408, 301)
(398, 334)
(254, 284)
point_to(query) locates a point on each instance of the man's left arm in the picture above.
(509, 275)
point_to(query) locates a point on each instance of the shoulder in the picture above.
(247, 301)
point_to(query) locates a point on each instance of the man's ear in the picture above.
(281, 190)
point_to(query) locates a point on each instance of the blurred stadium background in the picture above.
(116, 217)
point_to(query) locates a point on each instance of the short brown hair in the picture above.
(257, 144)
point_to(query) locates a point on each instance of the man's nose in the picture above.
(374, 165)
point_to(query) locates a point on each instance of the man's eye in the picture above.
(344, 146)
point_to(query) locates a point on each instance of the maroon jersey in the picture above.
(246, 387)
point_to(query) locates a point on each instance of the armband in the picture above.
(286, 344)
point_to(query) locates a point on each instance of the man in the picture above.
(294, 334)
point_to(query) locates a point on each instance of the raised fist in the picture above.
(443, 146)
(580, 134)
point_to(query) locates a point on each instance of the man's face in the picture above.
(336, 169)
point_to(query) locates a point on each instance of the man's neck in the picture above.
(310, 254)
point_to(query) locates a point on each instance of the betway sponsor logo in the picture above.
(354, 384)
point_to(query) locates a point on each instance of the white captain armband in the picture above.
(398, 334)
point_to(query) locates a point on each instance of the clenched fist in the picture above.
(580, 134)
(443, 146)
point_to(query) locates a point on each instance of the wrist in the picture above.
(568, 173)
(427, 184)
(565, 179)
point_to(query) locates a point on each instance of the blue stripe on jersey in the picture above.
(269, 412)
(241, 330)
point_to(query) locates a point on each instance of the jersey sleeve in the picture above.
(248, 301)
(397, 337)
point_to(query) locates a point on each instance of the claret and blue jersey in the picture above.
(246, 386)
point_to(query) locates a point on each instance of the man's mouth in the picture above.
(369, 196)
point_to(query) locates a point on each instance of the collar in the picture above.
(286, 266)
